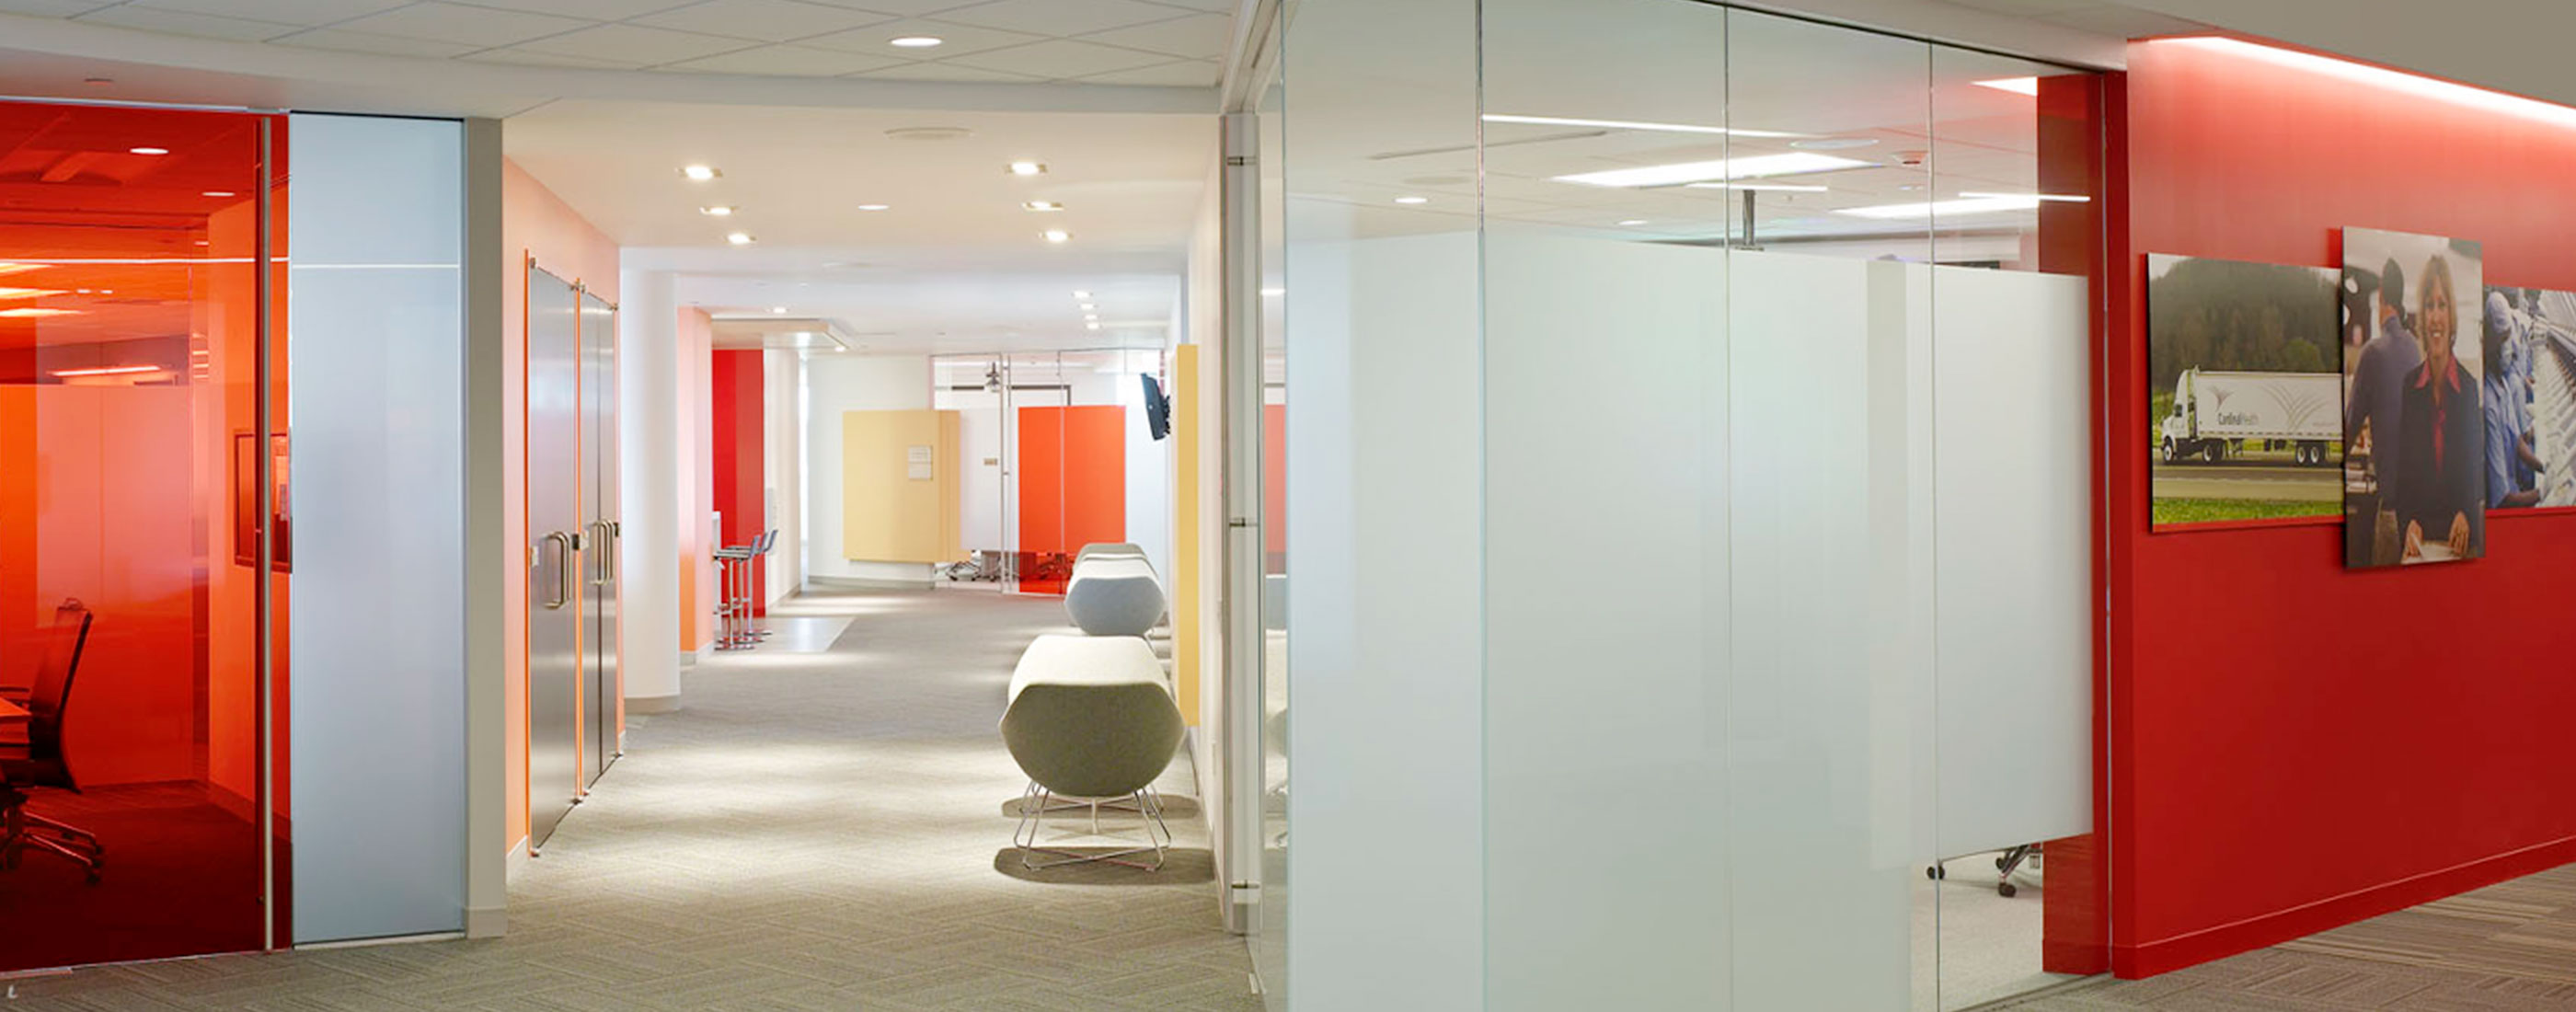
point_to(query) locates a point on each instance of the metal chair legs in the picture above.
(1036, 802)
(22, 830)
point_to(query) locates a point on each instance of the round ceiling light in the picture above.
(717, 210)
(740, 238)
(1028, 168)
(1058, 235)
(700, 173)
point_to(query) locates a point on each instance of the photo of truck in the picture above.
(2215, 413)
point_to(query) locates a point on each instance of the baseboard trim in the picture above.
(867, 583)
(2193, 948)
(688, 658)
(653, 704)
(368, 943)
(487, 922)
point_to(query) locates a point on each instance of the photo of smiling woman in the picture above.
(2413, 413)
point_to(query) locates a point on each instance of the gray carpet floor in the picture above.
(815, 830)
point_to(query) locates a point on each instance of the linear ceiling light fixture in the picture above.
(107, 370)
(1684, 173)
(2381, 77)
(2054, 198)
(1943, 208)
(148, 151)
(2017, 85)
(1780, 187)
(1625, 124)
(916, 41)
(32, 313)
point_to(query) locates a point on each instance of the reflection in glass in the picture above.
(131, 333)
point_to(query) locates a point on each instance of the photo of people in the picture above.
(2245, 411)
(2530, 398)
(2416, 456)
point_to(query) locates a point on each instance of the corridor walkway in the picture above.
(819, 830)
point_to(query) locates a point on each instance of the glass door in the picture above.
(145, 537)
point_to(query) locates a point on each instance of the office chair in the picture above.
(1099, 745)
(41, 762)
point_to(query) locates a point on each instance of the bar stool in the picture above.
(754, 585)
(733, 600)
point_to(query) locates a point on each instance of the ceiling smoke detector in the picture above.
(930, 133)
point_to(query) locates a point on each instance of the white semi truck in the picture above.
(2215, 412)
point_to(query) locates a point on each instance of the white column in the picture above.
(648, 374)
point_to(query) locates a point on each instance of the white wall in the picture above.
(835, 383)
(648, 483)
(783, 462)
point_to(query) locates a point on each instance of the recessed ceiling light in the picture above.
(1633, 221)
(1412, 200)
(779, 310)
(148, 151)
(874, 207)
(917, 41)
(1724, 168)
(1043, 205)
(218, 193)
(1091, 326)
(1057, 235)
(740, 238)
(717, 210)
(1081, 295)
(1087, 307)
(1028, 168)
(701, 173)
(1833, 143)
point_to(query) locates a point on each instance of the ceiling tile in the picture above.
(943, 72)
(769, 20)
(1058, 17)
(384, 45)
(635, 43)
(296, 12)
(961, 39)
(458, 23)
(1059, 58)
(1184, 74)
(528, 58)
(588, 10)
(787, 61)
(1197, 36)
(51, 8)
(183, 23)
(2127, 23)
(903, 8)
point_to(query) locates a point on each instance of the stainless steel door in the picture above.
(599, 675)
(555, 564)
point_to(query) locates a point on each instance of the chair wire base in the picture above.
(1037, 802)
(22, 830)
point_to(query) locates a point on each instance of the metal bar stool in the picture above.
(733, 600)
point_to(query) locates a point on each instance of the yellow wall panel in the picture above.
(1185, 530)
(899, 486)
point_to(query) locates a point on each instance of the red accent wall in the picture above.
(2298, 746)
(738, 398)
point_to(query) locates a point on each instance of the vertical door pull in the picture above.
(562, 545)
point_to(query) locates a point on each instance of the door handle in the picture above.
(603, 540)
(562, 544)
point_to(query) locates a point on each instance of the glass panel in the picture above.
(975, 386)
(130, 529)
(1270, 932)
(1605, 421)
(2016, 151)
(1073, 431)
(379, 486)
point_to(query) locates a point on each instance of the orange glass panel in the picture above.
(130, 336)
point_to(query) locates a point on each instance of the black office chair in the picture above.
(41, 762)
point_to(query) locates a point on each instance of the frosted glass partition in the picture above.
(378, 614)
(1782, 506)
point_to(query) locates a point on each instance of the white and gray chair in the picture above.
(1114, 596)
(1093, 724)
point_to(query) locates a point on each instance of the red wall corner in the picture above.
(739, 398)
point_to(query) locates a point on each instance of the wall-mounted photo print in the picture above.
(2415, 420)
(2245, 410)
(2530, 397)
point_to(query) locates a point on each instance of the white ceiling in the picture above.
(954, 262)
(1175, 43)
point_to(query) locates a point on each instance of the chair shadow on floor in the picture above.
(1181, 866)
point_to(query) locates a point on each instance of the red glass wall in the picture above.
(133, 320)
